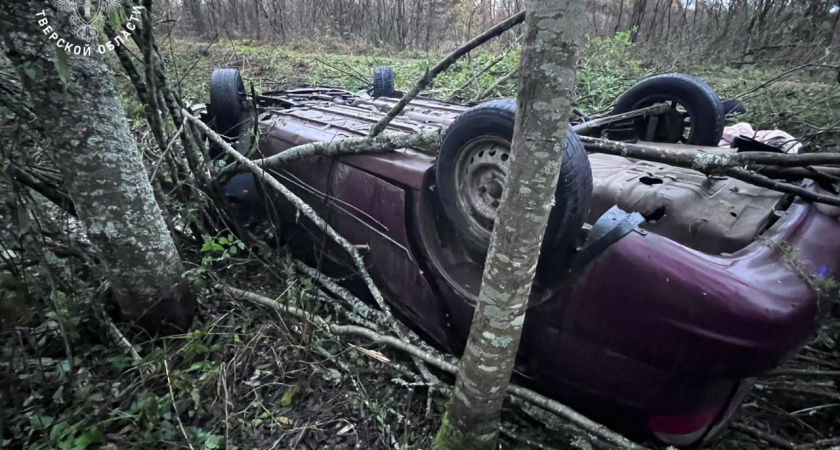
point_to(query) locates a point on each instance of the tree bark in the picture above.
(546, 85)
(102, 168)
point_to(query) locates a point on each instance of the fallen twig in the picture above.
(360, 308)
(546, 403)
(175, 406)
(767, 437)
(430, 75)
(804, 373)
(765, 182)
(364, 80)
(307, 211)
(794, 390)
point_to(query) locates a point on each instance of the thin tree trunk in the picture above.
(102, 168)
(618, 21)
(546, 87)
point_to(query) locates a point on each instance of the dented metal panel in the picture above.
(712, 214)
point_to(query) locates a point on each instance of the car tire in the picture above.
(228, 102)
(697, 102)
(491, 121)
(383, 82)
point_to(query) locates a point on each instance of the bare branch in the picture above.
(310, 214)
(487, 92)
(734, 165)
(379, 144)
(430, 75)
(546, 403)
(706, 162)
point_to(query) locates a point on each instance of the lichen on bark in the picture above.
(103, 170)
(546, 83)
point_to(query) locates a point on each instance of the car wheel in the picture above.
(229, 108)
(383, 82)
(696, 116)
(473, 163)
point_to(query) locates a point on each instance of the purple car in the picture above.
(661, 292)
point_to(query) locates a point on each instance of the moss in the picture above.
(449, 437)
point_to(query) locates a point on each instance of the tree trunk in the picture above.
(101, 165)
(618, 21)
(546, 87)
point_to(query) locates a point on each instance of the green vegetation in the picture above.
(804, 103)
(245, 377)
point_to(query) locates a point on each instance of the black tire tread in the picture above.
(568, 214)
(226, 102)
(711, 118)
(383, 81)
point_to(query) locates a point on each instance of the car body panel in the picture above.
(647, 333)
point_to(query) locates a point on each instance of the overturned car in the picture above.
(660, 293)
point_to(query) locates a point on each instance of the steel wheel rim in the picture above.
(480, 172)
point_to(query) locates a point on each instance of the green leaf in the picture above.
(223, 240)
(39, 422)
(92, 436)
(213, 441)
(288, 396)
(62, 66)
(31, 71)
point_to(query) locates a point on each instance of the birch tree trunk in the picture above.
(549, 57)
(77, 104)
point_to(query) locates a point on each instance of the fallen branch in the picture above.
(701, 161)
(794, 390)
(307, 211)
(546, 403)
(360, 308)
(804, 373)
(787, 188)
(296, 201)
(430, 75)
(817, 173)
(380, 144)
(782, 75)
(729, 165)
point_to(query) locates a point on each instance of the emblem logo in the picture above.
(87, 20)
(87, 16)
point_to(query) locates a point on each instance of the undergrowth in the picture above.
(803, 103)
(243, 377)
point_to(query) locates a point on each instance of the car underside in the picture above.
(652, 314)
